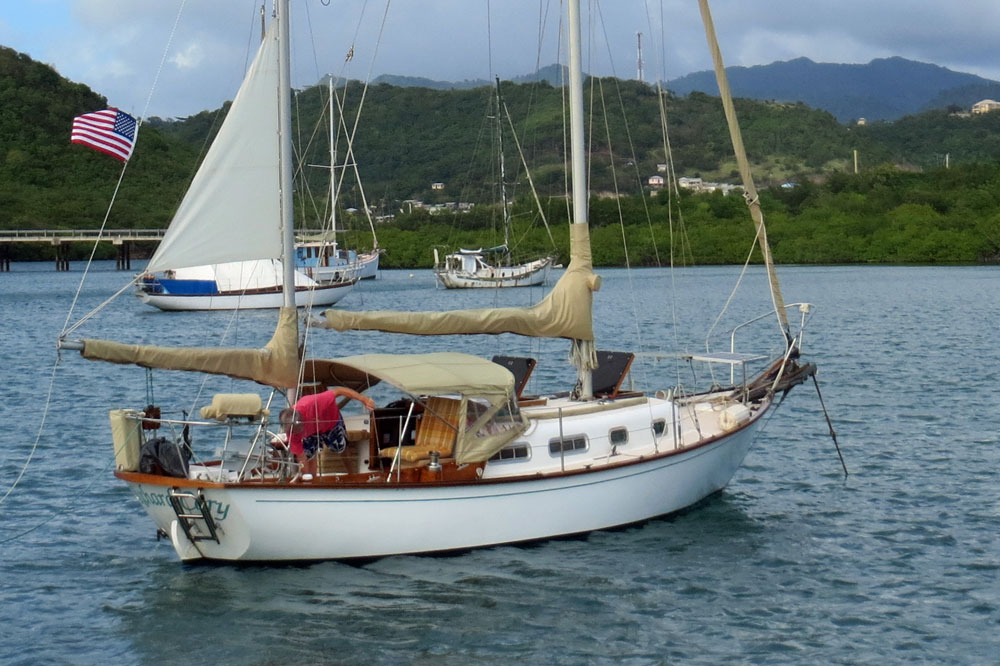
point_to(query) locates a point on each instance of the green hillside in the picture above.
(902, 207)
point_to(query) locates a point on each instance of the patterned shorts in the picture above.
(334, 439)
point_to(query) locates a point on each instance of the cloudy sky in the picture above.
(172, 58)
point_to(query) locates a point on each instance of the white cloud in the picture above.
(188, 58)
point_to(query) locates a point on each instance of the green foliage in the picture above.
(903, 206)
(49, 183)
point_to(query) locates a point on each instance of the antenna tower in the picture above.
(638, 37)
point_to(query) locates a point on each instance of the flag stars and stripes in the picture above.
(110, 131)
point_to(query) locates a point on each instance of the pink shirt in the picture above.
(319, 414)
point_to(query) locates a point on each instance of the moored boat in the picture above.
(240, 285)
(460, 457)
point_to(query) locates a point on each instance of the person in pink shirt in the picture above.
(315, 421)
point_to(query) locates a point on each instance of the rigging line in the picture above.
(340, 76)
(750, 192)
(93, 250)
(829, 424)
(85, 493)
(527, 172)
(489, 38)
(230, 325)
(121, 178)
(542, 20)
(312, 39)
(628, 130)
(467, 189)
(357, 118)
(614, 174)
(621, 214)
(677, 234)
(89, 315)
(163, 60)
(38, 436)
(725, 307)
(673, 196)
(563, 85)
(353, 161)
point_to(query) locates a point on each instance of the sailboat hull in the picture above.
(364, 267)
(321, 295)
(492, 277)
(365, 520)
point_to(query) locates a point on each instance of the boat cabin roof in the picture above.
(417, 374)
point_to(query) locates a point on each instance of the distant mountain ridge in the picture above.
(883, 89)
(553, 74)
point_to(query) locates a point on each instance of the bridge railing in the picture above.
(67, 235)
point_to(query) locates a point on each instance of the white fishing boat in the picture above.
(494, 267)
(463, 459)
(473, 269)
(321, 258)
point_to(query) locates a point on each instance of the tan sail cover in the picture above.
(436, 373)
(564, 313)
(231, 210)
(277, 364)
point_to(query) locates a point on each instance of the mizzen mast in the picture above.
(749, 189)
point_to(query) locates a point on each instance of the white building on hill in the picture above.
(985, 106)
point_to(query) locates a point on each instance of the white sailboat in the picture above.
(236, 285)
(463, 460)
(491, 268)
(223, 249)
(321, 257)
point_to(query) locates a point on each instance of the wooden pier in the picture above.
(61, 238)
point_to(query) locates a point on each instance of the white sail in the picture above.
(230, 212)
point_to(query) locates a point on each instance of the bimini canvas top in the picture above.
(436, 373)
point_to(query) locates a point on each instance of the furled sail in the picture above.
(230, 211)
(566, 312)
(277, 364)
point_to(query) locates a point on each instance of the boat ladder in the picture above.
(188, 518)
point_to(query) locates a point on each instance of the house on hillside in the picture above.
(655, 181)
(702, 186)
(985, 106)
(437, 186)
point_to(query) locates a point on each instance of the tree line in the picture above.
(903, 206)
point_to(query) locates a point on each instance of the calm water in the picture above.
(791, 564)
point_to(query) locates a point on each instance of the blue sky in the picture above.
(148, 57)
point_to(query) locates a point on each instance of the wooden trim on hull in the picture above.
(451, 475)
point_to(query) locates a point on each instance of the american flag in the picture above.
(110, 131)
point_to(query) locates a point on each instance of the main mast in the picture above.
(578, 168)
(287, 219)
